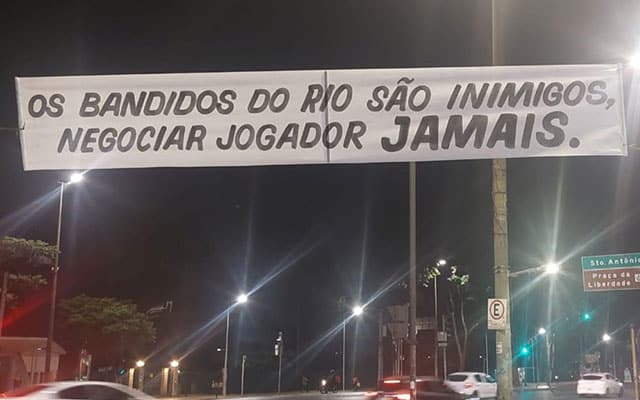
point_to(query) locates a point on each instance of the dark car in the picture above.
(427, 387)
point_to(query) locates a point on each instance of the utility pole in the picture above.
(244, 360)
(634, 360)
(225, 373)
(380, 347)
(444, 349)
(279, 351)
(501, 244)
(412, 280)
(436, 350)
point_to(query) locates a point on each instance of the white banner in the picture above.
(314, 117)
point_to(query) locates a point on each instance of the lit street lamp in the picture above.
(241, 299)
(552, 268)
(542, 331)
(356, 311)
(174, 364)
(606, 338)
(441, 263)
(140, 365)
(74, 178)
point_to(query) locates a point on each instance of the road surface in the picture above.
(561, 391)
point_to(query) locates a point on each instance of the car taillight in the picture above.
(403, 396)
(468, 385)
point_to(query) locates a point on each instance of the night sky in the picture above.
(200, 236)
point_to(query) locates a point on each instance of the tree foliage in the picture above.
(458, 289)
(17, 253)
(109, 328)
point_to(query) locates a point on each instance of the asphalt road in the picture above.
(561, 391)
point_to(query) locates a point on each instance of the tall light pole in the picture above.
(356, 311)
(441, 263)
(241, 299)
(74, 178)
(608, 339)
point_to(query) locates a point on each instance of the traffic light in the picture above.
(586, 316)
(524, 351)
(122, 371)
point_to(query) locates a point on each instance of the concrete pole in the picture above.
(380, 347)
(501, 241)
(54, 293)
(225, 374)
(3, 297)
(412, 280)
(634, 360)
(244, 360)
(436, 350)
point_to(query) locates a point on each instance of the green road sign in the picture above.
(611, 272)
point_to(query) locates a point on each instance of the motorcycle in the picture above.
(324, 389)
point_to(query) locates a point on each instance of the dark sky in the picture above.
(199, 236)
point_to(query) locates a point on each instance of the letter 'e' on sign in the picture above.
(497, 314)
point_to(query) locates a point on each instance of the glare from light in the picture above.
(323, 382)
(552, 268)
(358, 310)
(243, 298)
(634, 61)
(140, 363)
(542, 331)
(606, 337)
(442, 262)
(174, 363)
(76, 177)
(219, 349)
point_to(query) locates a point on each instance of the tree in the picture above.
(108, 328)
(22, 255)
(458, 295)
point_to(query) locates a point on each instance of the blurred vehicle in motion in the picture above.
(475, 385)
(397, 388)
(87, 390)
(599, 384)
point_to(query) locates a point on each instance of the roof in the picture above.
(27, 345)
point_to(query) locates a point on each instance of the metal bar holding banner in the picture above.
(634, 361)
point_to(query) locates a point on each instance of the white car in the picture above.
(601, 384)
(473, 384)
(76, 390)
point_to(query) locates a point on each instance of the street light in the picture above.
(140, 364)
(552, 268)
(174, 364)
(241, 299)
(74, 178)
(356, 311)
(441, 263)
(542, 331)
(606, 338)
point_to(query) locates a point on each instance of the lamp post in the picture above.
(74, 178)
(441, 263)
(608, 339)
(174, 364)
(140, 365)
(241, 299)
(356, 311)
